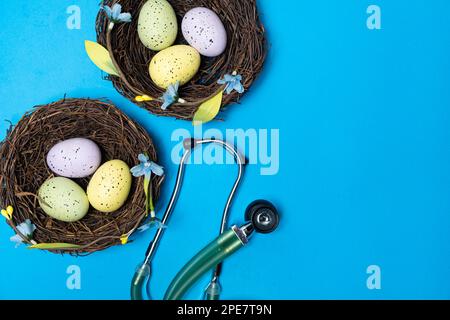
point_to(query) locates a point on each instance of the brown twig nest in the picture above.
(245, 54)
(23, 169)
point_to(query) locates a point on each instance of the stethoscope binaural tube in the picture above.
(142, 274)
(212, 255)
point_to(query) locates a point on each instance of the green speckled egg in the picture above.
(109, 187)
(177, 63)
(157, 25)
(63, 199)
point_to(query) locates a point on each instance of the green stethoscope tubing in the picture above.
(219, 246)
(213, 254)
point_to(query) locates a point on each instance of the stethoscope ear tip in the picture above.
(263, 216)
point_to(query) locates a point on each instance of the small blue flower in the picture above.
(115, 14)
(170, 96)
(146, 168)
(153, 223)
(27, 229)
(232, 82)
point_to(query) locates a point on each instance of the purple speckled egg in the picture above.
(203, 30)
(74, 158)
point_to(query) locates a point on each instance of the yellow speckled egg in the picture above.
(177, 63)
(157, 25)
(63, 199)
(109, 187)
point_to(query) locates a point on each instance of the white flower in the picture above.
(115, 14)
(27, 229)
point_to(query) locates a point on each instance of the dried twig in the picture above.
(245, 53)
(23, 169)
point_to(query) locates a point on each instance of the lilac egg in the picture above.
(203, 30)
(74, 158)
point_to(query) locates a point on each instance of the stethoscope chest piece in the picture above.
(263, 216)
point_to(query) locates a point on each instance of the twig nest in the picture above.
(233, 41)
(24, 170)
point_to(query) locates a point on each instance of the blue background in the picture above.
(364, 155)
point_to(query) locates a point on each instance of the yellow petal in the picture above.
(5, 214)
(124, 240)
(100, 57)
(143, 98)
(208, 110)
(10, 210)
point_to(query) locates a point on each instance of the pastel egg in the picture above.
(109, 187)
(177, 63)
(203, 29)
(74, 158)
(157, 25)
(63, 199)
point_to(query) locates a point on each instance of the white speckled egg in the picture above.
(109, 187)
(157, 25)
(177, 63)
(203, 29)
(74, 158)
(63, 199)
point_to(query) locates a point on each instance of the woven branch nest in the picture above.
(245, 54)
(23, 169)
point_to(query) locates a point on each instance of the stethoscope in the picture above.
(261, 216)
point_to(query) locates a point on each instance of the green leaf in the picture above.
(100, 57)
(53, 246)
(208, 110)
(146, 186)
(146, 191)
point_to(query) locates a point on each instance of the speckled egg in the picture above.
(203, 29)
(74, 158)
(157, 25)
(63, 199)
(109, 187)
(177, 63)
